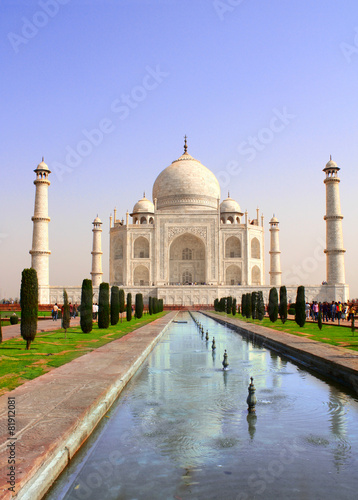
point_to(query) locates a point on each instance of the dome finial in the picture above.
(228, 194)
(143, 194)
(330, 157)
(43, 158)
(185, 144)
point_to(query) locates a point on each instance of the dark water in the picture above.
(180, 429)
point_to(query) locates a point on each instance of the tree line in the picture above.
(110, 306)
(253, 306)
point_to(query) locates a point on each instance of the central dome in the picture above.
(186, 183)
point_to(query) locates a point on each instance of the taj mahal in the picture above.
(187, 246)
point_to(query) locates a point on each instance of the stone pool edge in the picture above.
(46, 467)
(336, 363)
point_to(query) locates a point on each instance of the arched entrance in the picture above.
(187, 260)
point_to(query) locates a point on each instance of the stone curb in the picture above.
(44, 472)
(337, 363)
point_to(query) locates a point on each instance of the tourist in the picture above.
(71, 310)
(55, 312)
(308, 309)
(333, 310)
(95, 311)
(351, 312)
(75, 310)
(339, 311)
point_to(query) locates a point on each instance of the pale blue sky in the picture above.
(221, 75)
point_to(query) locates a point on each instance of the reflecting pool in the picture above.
(181, 430)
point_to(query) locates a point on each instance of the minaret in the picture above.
(40, 252)
(275, 254)
(334, 234)
(97, 253)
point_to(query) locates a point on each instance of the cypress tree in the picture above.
(29, 305)
(319, 319)
(248, 305)
(243, 305)
(273, 305)
(129, 306)
(139, 305)
(86, 306)
(283, 304)
(260, 307)
(155, 305)
(150, 306)
(66, 313)
(300, 316)
(233, 307)
(103, 306)
(216, 304)
(228, 305)
(161, 305)
(122, 305)
(114, 305)
(252, 304)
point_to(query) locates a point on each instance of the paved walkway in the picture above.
(336, 362)
(56, 412)
(43, 325)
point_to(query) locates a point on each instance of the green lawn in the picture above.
(7, 314)
(330, 334)
(50, 350)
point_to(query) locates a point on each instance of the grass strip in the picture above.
(51, 349)
(330, 333)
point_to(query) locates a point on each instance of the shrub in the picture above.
(249, 306)
(319, 320)
(160, 305)
(254, 304)
(291, 311)
(122, 302)
(150, 306)
(273, 305)
(66, 312)
(216, 304)
(129, 306)
(139, 305)
(14, 319)
(243, 305)
(29, 305)
(300, 316)
(103, 306)
(260, 307)
(228, 305)
(114, 305)
(86, 306)
(283, 304)
(233, 309)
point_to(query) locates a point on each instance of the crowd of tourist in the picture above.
(331, 311)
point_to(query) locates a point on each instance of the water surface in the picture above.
(180, 429)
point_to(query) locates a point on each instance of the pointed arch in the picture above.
(141, 248)
(233, 248)
(255, 249)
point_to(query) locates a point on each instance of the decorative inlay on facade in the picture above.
(196, 230)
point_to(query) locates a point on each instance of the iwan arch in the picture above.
(188, 248)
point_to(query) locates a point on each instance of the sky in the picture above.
(105, 90)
